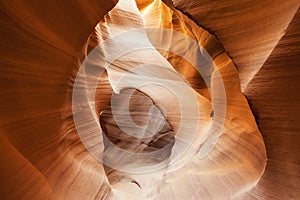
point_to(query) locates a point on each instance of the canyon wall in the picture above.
(230, 108)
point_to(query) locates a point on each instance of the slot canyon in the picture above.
(150, 100)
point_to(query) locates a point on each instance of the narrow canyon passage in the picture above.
(141, 99)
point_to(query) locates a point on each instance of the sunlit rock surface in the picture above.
(55, 145)
(249, 30)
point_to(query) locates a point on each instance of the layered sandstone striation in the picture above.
(249, 30)
(137, 100)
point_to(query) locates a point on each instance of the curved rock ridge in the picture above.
(39, 43)
(249, 30)
(215, 164)
(278, 81)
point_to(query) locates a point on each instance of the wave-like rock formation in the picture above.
(146, 99)
(249, 30)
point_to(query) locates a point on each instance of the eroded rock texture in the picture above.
(249, 30)
(97, 103)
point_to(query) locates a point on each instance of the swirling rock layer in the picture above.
(42, 48)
